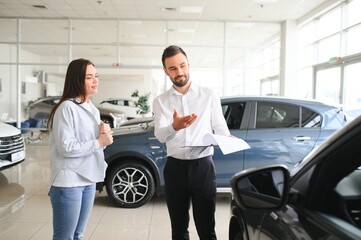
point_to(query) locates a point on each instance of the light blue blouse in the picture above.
(76, 157)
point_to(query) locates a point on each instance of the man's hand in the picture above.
(182, 122)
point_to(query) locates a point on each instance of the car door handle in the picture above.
(154, 147)
(301, 138)
(152, 138)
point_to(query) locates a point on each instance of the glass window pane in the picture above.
(195, 33)
(8, 31)
(353, 12)
(96, 53)
(44, 31)
(211, 77)
(310, 119)
(8, 53)
(305, 56)
(233, 83)
(233, 114)
(204, 56)
(270, 87)
(141, 32)
(8, 90)
(275, 115)
(353, 40)
(328, 48)
(328, 85)
(306, 34)
(330, 23)
(128, 55)
(304, 87)
(352, 85)
(44, 53)
(235, 57)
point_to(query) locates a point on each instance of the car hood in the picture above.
(133, 129)
(8, 130)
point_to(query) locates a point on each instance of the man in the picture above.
(183, 115)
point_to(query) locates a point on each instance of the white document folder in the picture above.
(227, 144)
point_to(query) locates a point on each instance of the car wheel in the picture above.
(130, 185)
(107, 120)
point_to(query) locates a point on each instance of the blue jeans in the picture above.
(71, 210)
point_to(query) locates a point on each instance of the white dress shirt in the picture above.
(199, 100)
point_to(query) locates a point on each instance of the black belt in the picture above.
(188, 161)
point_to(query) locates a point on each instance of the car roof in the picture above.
(116, 99)
(46, 98)
(304, 102)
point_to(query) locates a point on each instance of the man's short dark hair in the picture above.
(171, 51)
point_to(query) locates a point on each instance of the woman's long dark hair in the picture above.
(74, 86)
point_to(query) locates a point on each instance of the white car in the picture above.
(12, 146)
(127, 106)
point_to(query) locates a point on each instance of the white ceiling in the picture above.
(219, 10)
(196, 23)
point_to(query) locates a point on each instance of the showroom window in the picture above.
(329, 52)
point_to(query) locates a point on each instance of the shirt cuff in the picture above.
(171, 130)
(96, 144)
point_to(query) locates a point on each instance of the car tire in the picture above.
(107, 120)
(130, 185)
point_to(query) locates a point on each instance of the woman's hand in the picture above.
(105, 134)
(104, 127)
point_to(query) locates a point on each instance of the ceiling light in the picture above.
(265, 1)
(40, 6)
(191, 9)
(169, 9)
(169, 30)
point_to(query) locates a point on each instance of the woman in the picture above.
(77, 140)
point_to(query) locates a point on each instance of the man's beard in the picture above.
(182, 83)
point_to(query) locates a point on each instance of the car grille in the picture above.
(10, 145)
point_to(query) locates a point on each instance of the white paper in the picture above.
(227, 144)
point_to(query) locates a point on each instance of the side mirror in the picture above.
(261, 188)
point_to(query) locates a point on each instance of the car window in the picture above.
(349, 193)
(276, 115)
(233, 113)
(283, 115)
(122, 103)
(310, 119)
(52, 102)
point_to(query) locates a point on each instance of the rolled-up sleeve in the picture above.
(219, 124)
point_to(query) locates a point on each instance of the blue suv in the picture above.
(279, 131)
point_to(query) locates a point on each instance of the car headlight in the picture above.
(118, 118)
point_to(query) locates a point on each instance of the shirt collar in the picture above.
(193, 87)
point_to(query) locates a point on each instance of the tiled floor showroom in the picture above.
(25, 210)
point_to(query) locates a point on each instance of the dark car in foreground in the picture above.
(279, 130)
(318, 199)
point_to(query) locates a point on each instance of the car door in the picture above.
(280, 133)
(236, 114)
(325, 199)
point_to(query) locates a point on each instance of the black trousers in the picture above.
(186, 182)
